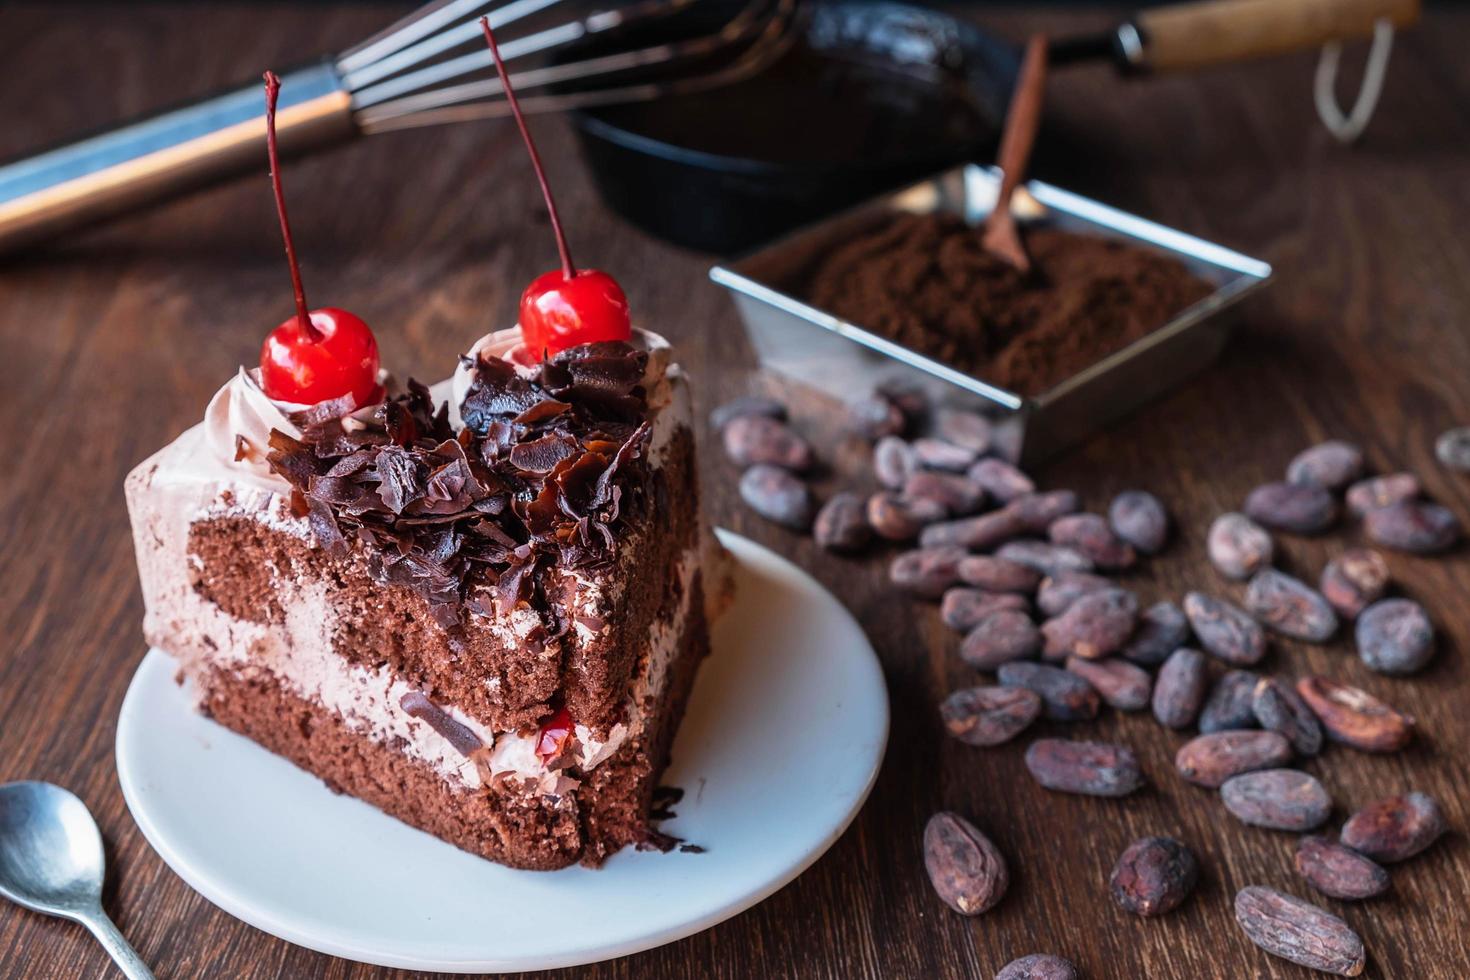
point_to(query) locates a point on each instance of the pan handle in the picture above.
(162, 157)
(1211, 32)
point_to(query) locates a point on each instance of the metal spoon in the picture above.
(51, 861)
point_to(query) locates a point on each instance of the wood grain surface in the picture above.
(112, 344)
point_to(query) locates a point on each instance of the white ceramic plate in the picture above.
(782, 742)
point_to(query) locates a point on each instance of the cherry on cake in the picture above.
(478, 606)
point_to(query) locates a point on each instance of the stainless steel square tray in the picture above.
(844, 360)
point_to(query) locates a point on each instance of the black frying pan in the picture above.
(873, 94)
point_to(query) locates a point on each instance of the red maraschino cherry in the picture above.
(567, 306)
(316, 355)
(553, 735)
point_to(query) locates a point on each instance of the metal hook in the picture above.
(1347, 128)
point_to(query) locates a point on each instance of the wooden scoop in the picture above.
(1000, 236)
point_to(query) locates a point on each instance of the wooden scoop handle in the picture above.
(1212, 32)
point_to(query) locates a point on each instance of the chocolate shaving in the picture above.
(465, 742)
(657, 840)
(542, 475)
(542, 455)
(331, 410)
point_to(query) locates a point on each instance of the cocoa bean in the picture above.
(1091, 535)
(1140, 519)
(777, 495)
(1300, 508)
(1162, 629)
(893, 461)
(1299, 931)
(1354, 717)
(1290, 606)
(1278, 708)
(1239, 547)
(979, 533)
(1395, 636)
(1123, 685)
(998, 575)
(749, 405)
(1416, 526)
(894, 517)
(936, 454)
(957, 495)
(1225, 630)
(926, 572)
(1337, 871)
(1065, 697)
(1209, 760)
(1038, 966)
(1088, 768)
(1094, 626)
(962, 609)
(1381, 491)
(752, 439)
(999, 638)
(968, 430)
(988, 716)
(1277, 799)
(1354, 580)
(1001, 480)
(1180, 688)
(1303, 509)
(1153, 876)
(875, 417)
(1044, 557)
(966, 869)
(1036, 511)
(1396, 828)
(1331, 465)
(1059, 591)
(1452, 448)
(1229, 706)
(842, 524)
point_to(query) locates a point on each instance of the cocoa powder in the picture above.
(926, 282)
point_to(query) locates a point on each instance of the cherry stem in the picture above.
(567, 269)
(303, 315)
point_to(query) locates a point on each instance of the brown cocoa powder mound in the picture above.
(924, 281)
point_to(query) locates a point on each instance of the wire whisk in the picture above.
(427, 69)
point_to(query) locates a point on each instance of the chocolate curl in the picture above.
(465, 742)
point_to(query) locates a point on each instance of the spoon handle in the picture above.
(126, 958)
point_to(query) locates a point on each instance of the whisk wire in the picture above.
(446, 40)
(477, 100)
(427, 21)
(757, 22)
(538, 43)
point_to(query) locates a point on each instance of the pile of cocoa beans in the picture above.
(1028, 581)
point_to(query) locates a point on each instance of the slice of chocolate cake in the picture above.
(479, 608)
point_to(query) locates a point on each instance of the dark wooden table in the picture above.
(113, 344)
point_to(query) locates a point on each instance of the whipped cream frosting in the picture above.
(239, 420)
